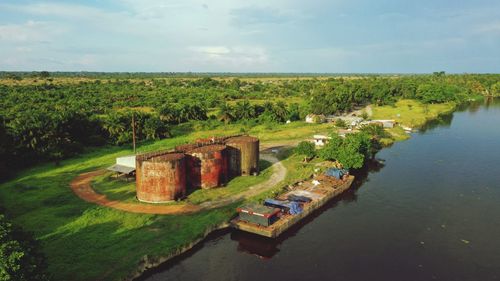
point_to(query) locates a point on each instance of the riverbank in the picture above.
(104, 244)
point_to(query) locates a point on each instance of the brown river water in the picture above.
(431, 211)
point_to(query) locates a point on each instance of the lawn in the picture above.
(121, 190)
(86, 242)
(411, 113)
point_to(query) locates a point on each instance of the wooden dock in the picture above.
(324, 191)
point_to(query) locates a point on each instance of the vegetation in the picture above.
(20, 256)
(78, 121)
(307, 149)
(103, 243)
(351, 151)
(121, 190)
(411, 113)
(75, 111)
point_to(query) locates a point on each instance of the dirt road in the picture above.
(81, 186)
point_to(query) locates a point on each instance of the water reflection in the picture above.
(266, 248)
(425, 215)
(443, 121)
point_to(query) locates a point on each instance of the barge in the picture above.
(271, 222)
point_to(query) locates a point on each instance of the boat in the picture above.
(270, 221)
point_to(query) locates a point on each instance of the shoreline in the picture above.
(146, 265)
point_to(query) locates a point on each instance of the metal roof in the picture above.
(121, 169)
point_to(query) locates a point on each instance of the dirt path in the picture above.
(81, 186)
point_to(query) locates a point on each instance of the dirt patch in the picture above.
(81, 186)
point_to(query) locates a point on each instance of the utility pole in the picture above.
(133, 130)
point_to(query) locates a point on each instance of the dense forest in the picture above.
(49, 119)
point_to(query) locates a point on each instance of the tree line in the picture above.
(51, 120)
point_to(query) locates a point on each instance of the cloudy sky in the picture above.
(251, 36)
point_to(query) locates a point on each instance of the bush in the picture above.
(307, 149)
(20, 258)
(351, 151)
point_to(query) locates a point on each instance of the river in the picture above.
(430, 212)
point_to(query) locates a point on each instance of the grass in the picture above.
(296, 170)
(86, 242)
(121, 190)
(411, 113)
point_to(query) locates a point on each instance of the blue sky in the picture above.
(342, 36)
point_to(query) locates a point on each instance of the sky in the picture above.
(319, 36)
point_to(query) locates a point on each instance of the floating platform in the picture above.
(320, 190)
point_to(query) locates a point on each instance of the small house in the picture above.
(259, 214)
(315, 118)
(386, 123)
(124, 165)
(320, 140)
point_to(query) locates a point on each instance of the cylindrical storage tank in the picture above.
(160, 178)
(212, 140)
(243, 155)
(186, 147)
(207, 166)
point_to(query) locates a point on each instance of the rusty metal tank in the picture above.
(212, 140)
(207, 166)
(243, 155)
(160, 177)
(186, 147)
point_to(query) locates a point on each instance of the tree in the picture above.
(20, 257)
(340, 123)
(169, 113)
(280, 112)
(495, 89)
(225, 113)
(44, 74)
(293, 112)
(307, 149)
(244, 110)
(154, 128)
(351, 152)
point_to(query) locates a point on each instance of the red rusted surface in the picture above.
(160, 177)
(243, 155)
(186, 147)
(207, 166)
(212, 140)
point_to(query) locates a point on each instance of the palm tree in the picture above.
(169, 113)
(244, 110)
(280, 111)
(224, 113)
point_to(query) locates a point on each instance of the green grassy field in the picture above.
(86, 242)
(121, 190)
(411, 113)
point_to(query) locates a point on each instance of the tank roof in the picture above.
(242, 139)
(167, 157)
(186, 147)
(159, 156)
(208, 148)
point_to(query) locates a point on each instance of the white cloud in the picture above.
(234, 57)
(31, 31)
(492, 28)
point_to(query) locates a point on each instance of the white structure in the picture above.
(320, 140)
(387, 123)
(124, 165)
(314, 118)
(351, 121)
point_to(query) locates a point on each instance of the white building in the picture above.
(315, 118)
(124, 165)
(321, 140)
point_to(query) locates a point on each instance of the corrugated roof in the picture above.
(121, 169)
